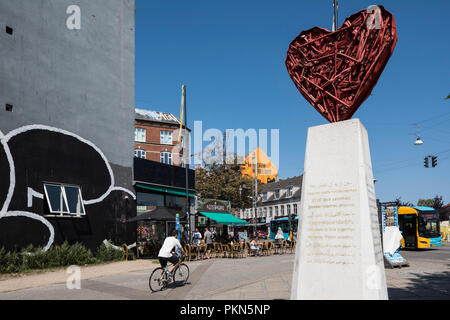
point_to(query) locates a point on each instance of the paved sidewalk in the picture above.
(40, 279)
(253, 278)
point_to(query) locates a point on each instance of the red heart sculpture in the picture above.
(336, 71)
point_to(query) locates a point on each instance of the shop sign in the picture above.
(211, 205)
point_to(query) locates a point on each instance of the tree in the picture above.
(401, 203)
(435, 203)
(224, 182)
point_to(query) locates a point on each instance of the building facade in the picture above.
(161, 185)
(157, 138)
(66, 122)
(275, 200)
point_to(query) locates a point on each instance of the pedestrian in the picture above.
(280, 235)
(196, 237)
(214, 234)
(208, 240)
(184, 237)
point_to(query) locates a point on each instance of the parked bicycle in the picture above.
(162, 277)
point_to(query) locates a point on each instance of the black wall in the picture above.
(162, 174)
(41, 156)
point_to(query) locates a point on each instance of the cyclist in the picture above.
(168, 249)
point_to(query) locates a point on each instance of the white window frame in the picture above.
(140, 150)
(64, 198)
(169, 158)
(166, 137)
(275, 194)
(140, 135)
(290, 191)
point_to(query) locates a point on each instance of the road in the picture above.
(252, 278)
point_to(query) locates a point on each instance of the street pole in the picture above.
(255, 197)
(186, 162)
(335, 18)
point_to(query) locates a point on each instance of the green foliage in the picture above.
(436, 202)
(56, 257)
(108, 253)
(224, 182)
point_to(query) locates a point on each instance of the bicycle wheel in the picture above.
(157, 280)
(181, 274)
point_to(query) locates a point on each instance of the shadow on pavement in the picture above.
(434, 286)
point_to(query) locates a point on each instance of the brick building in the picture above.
(156, 137)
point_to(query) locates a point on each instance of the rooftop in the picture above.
(156, 116)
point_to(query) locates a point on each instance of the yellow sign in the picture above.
(267, 172)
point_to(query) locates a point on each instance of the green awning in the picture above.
(224, 218)
(166, 190)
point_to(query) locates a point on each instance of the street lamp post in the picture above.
(186, 159)
(255, 196)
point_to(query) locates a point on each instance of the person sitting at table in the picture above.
(255, 247)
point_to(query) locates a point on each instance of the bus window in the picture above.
(428, 224)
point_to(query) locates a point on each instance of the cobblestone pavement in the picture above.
(252, 278)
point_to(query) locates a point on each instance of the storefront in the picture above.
(160, 186)
(217, 214)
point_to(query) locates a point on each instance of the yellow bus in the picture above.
(419, 227)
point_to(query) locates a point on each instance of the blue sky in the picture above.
(231, 55)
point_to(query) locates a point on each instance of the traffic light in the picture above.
(434, 161)
(426, 163)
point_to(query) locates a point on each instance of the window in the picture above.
(140, 154)
(276, 211)
(290, 191)
(265, 212)
(277, 193)
(295, 209)
(166, 137)
(9, 107)
(288, 209)
(64, 199)
(264, 196)
(140, 135)
(270, 212)
(282, 210)
(166, 157)
(9, 30)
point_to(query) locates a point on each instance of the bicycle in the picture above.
(161, 277)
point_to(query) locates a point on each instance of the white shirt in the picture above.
(168, 246)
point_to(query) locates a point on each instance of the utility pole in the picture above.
(186, 160)
(255, 196)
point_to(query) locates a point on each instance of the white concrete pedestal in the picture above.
(339, 254)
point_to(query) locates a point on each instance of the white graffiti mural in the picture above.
(5, 206)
